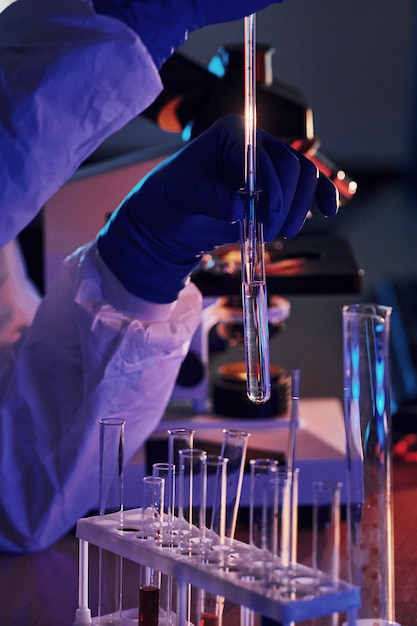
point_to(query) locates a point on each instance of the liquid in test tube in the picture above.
(255, 312)
(148, 605)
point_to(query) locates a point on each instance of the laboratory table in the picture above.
(41, 589)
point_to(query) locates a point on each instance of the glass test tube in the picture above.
(210, 609)
(234, 447)
(282, 503)
(153, 508)
(110, 501)
(254, 294)
(111, 466)
(191, 518)
(326, 541)
(167, 472)
(178, 439)
(149, 598)
(247, 615)
(166, 592)
(216, 495)
(192, 498)
(326, 532)
(211, 605)
(262, 504)
(289, 535)
(262, 517)
(280, 486)
(152, 516)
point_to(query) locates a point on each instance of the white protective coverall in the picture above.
(68, 79)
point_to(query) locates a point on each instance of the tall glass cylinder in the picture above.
(366, 331)
(110, 501)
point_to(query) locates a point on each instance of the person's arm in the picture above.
(82, 359)
(74, 72)
(69, 78)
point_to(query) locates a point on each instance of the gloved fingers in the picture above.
(205, 177)
(327, 196)
(303, 198)
(311, 186)
(307, 192)
(288, 180)
(278, 172)
(214, 192)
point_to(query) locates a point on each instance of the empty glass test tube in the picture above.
(262, 501)
(216, 469)
(153, 508)
(234, 447)
(192, 499)
(326, 532)
(110, 501)
(167, 472)
(178, 439)
(326, 541)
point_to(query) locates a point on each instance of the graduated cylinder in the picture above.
(366, 331)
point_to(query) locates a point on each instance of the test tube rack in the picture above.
(235, 578)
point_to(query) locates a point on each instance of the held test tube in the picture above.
(254, 296)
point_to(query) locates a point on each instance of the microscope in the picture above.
(193, 98)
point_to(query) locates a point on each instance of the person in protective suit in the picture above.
(109, 336)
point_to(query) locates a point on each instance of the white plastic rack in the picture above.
(235, 571)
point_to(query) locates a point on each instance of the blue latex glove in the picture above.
(189, 204)
(163, 25)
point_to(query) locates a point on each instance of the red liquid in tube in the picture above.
(148, 605)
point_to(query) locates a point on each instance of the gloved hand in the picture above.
(190, 204)
(163, 25)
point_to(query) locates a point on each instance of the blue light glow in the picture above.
(380, 393)
(356, 386)
(186, 133)
(216, 66)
